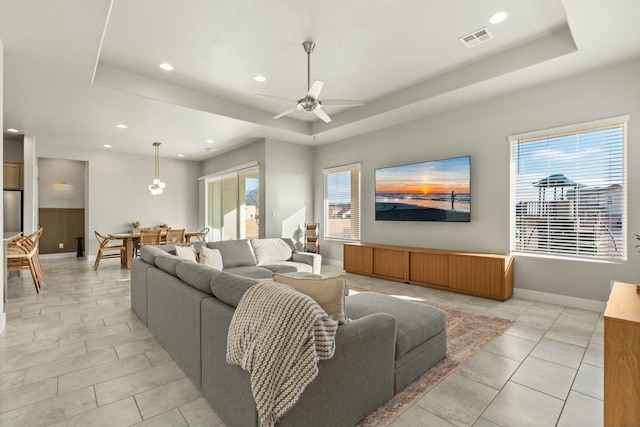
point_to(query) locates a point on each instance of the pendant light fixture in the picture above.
(157, 186)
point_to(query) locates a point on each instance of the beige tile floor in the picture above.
(76, 355)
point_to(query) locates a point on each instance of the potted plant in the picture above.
(136, 226)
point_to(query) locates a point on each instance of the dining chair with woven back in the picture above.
(174, 236)
(109, 248)
(23, 254)
(150, 237)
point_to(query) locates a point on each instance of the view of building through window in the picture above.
(569, 193)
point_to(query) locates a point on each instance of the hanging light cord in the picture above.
(157, 186)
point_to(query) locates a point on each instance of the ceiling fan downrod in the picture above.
(308, 47)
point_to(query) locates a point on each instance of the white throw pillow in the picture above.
(212, 257)
(186, 252)
(328, 292)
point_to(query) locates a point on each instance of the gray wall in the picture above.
(53, 171)
(117, 191)
(253, 152)
(481, 130)
(286, 183)
(13, 149)
(289, 189)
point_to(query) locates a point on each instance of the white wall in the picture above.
(118, 194)
(289, 190)
(481, 130)
(51, 172)
(3, 316)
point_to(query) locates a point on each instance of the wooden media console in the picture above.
(478, 274)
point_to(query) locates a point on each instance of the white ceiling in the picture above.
(73, 69)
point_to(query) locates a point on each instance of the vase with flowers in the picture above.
(135, 227)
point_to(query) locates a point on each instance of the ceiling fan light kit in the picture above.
(311, 102)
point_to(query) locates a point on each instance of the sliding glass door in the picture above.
(233, 205)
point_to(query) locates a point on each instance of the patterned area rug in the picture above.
(467, 333)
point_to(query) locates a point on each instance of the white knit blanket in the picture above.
(278, 335)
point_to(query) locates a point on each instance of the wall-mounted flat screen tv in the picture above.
(437, 190)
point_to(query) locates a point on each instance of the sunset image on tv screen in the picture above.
(436, 190)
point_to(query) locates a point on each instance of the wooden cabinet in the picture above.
(12, 174)
(484, 275)
(622, 356)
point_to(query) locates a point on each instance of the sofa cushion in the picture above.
(149, 254)
(234, 252)
(187, 253)
(288, 267)
(270, 250)
(211, 257)
(253, 272)
(197, 275)
(416, 322)
(172, 248)
(229, 288)
(328, 292)
(168, 263)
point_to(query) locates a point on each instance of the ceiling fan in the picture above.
(310, 103)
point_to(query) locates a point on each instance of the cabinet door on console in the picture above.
(477, 274)
(358, 259)
(390, 263)
(432, 269)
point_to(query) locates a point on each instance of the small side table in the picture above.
(80, 253)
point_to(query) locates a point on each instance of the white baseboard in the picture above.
(582, 303)
(3, 321)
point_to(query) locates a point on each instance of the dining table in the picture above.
(130, 241)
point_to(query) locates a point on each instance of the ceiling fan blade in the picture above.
(289, 111)
(314, 90)
(320, 113)
(279, 98)
(346, 102)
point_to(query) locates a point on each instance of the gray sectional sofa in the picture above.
(189, 307)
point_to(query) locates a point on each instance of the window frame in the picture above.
(579, 128)
(339, 169)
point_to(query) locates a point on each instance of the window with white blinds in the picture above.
(569, 192)
(342, 202)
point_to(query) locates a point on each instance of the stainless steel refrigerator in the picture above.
(12, 210)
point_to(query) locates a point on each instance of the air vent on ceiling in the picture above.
(476, 38)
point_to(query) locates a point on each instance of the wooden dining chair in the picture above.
(108, 249)
(150, 237)
(23, 254)
(174, 236)
(202, 234)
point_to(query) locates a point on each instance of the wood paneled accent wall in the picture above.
(484, 275)
(61, 225)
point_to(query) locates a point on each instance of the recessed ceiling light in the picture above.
(106, 146)
(260, 78)
(209, 141)
(498, 17)
(121, 126)
(180, 155)
(165, 66)
(12, 130)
